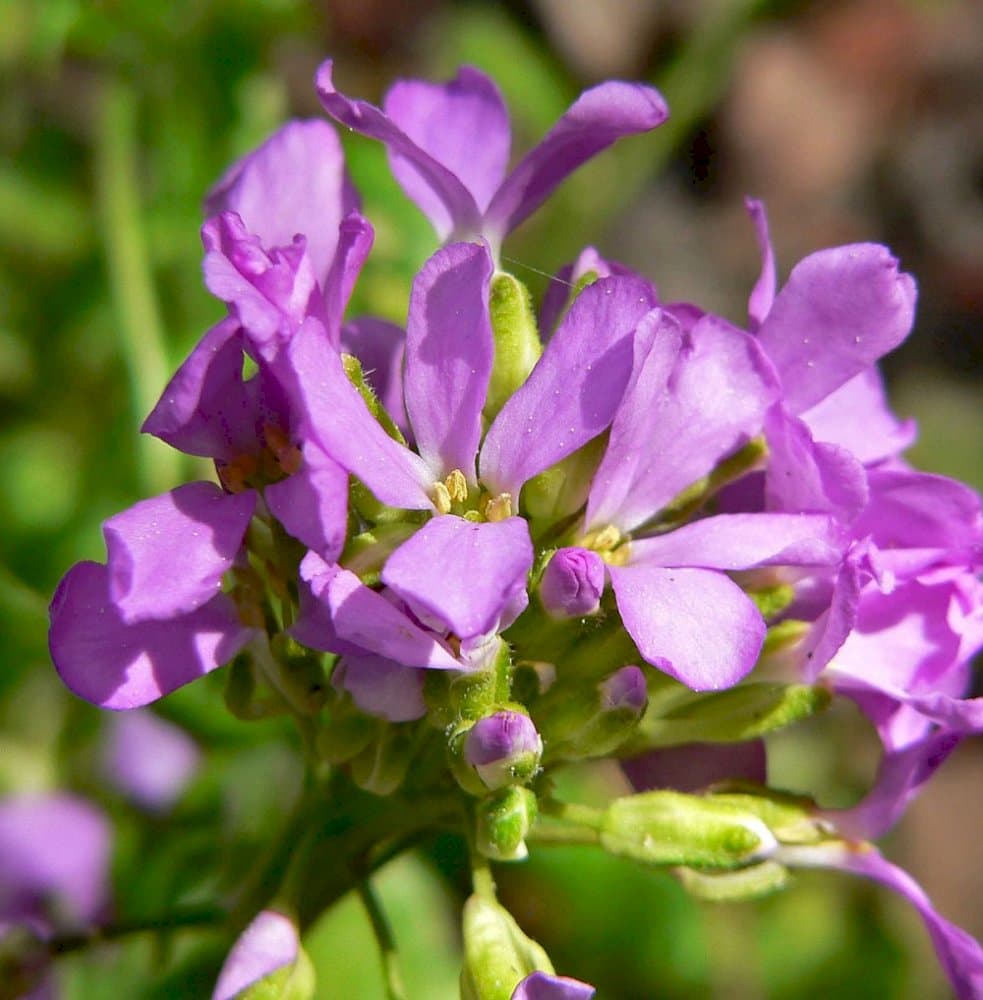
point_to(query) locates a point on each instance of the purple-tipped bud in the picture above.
(271, 943)
(626, 689)
(503, 748)
(543, 986)
(572, 583)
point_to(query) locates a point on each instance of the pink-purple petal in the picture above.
(840, 311)
(900, 777)
(355, 238)
(336, 417)
(857, 417)
(742, 541)
(694, 399)
(803, 475)
(207, 409)
(463, 124)
(312, 503)
(167, 554)
(448, 203)
(381, 686)
(593, 122)
(763, 293)
(109, 663)
(296, 182)
(460, 574)
(572, 394)
(696, 625)
(366, 620)
(449, 353)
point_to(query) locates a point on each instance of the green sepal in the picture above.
(353, 369)
(346, 736)
(453, 696)
(748, 883)
(497, 954)
(772, 600)
(562, 489)
(382, 766)
(517, 343)
(740, 713)
(503, 820)
(670, 828)
(302, 682)
(296, 981)
(789, 817)
(245, 697)
(786, 633)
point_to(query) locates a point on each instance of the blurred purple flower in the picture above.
(54, 861)
(149, 759)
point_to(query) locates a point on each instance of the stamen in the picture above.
(603, 539)
(441, 498)
(498, 508)
(457, 486)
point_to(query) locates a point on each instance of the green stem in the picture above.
(554, 833)
(206, 916)
(387, 941)
(571, 812)
(130, 277)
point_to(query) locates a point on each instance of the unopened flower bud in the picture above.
(572, 583)
(596, 721)
(498, 956)
(504, 819)
(503, 748)
(267, 961)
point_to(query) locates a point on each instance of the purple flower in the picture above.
(543, 986)
(449, 143)
(149, 759)
(502, 745)
(906, 608)
(54, 861)
(154, 617)
(694, 398)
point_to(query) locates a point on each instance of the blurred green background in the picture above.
(854, 120)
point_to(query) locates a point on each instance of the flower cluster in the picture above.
(503, 538)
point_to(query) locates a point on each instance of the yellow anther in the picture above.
(457, 486)
(441, 498)
(603, 540)
(497, 508)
